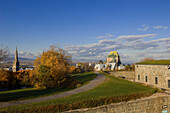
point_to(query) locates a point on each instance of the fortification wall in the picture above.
(153, 104)
(129, 75)
(156, 75)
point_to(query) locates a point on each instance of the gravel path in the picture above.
(93, 83)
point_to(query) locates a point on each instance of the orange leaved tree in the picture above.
(51, 67)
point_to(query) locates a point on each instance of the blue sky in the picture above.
(88, 29)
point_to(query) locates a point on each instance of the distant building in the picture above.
(7, 68)
(110, 66)
(113, 62)
(15, 67)
(29, 68)
(113, 57)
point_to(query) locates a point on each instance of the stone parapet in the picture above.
(129, 75)
(154, 104)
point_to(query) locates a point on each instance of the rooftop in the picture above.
(113, 54)
(156, 62)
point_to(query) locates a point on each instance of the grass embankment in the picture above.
(112, 90)
(156, 62)
(27, 93)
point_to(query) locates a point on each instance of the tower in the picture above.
(16, 62)
(113, 57)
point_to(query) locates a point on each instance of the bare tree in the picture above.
(100, 62)
(147, 59)
(4, 52)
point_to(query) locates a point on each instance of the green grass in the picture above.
(112, 87)
(84, 78)
(27, 93)
(156, 62)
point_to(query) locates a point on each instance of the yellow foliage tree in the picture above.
(51, 67)
(7, 79)
(72, 69)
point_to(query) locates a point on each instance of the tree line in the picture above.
(52, 70)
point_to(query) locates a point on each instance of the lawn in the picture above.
(27, 93)
(113, 88)
(84, 77)
(156, 62)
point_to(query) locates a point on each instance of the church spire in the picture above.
(16, 55)
(15, 67)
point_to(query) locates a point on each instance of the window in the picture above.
(138, 77)
(146, 79)
(156, 80)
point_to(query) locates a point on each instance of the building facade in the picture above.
(99, 67)
(15, 67)
(113, 62)
(155, 75)
(113, 57)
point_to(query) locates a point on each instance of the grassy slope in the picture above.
(28, 93)
(158, 62)
(84, 77)
(110, 88)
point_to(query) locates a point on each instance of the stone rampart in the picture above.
(129, 75)
(155, 75)
(157, 103)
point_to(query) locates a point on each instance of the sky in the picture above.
(88, 29)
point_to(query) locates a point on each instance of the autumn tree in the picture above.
(4, 52)
(51, 67)
(100, 62)
(147, 59)
(129, 67)
(7, 79)
(72, 69)
(23, 76)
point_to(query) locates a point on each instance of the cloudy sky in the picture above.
(88, 29)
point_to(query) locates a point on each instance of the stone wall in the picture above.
(129, 75)
(154, 104)
(151, 73)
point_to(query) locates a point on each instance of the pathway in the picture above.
(93, 83)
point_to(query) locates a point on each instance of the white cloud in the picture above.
(100, 50)
(143, 29)
(136, 37)
(82, 50)
(160, 27)
(22, 54)
(107, 35)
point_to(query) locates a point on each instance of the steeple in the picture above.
(16, 55)
(16, 62)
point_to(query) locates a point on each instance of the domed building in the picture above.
(113, 62)
(113, 57)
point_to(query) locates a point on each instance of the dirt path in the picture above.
(95, 82)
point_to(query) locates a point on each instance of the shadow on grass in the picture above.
(27, 94)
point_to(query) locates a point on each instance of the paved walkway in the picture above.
(93, 83)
